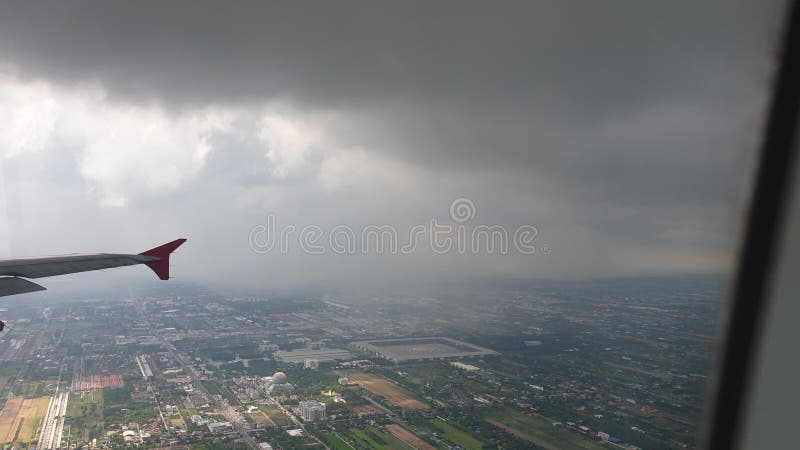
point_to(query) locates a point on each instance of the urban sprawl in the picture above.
(603, 365)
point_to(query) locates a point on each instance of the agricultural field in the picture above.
(85, 415)
(257, 416)
(388, 390)
(31, 390)
(540, 431)
(118, 408)
(409, 437)
(336, 443)
(20, 419)
(372, 438)
(260, 417)
(457, 436)
(275, 416)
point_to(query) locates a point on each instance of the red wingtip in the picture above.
(162, 252)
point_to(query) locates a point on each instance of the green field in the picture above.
(85, 415)
(31, 390)
(540, 431)
(457, 436)
(211, 387)
(119, 408)
(374, 439)
(337, 443)
(188, 412)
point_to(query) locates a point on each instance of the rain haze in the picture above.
(622, 131)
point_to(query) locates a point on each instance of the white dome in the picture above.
(279, 378)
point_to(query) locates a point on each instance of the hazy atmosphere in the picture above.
(388, 225)
(623, 132)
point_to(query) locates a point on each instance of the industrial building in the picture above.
(319, 354)
(420, 349)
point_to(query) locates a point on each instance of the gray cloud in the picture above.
(624, 130)
(583, 56)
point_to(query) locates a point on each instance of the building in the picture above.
(344, 381)
(266, 346)
(311, 364)
(320, 354)
(421, 349)
(216, 427)
(278, 383)
(466, 367)
(312, 411)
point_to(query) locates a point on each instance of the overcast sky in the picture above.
(623, 131)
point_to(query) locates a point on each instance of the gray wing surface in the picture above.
(13, 272)
(61, 265)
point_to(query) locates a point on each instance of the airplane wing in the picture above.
(13, 272)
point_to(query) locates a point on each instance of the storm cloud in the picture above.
(624, 131)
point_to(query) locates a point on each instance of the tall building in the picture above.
(312, 411)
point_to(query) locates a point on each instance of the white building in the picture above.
(216, 427)
(312, 411)
(311, 364)
(466, 367)
(278, 383)
(266, 346)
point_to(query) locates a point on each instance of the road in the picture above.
(189, 369)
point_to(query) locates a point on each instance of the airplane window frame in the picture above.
(759, 247)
